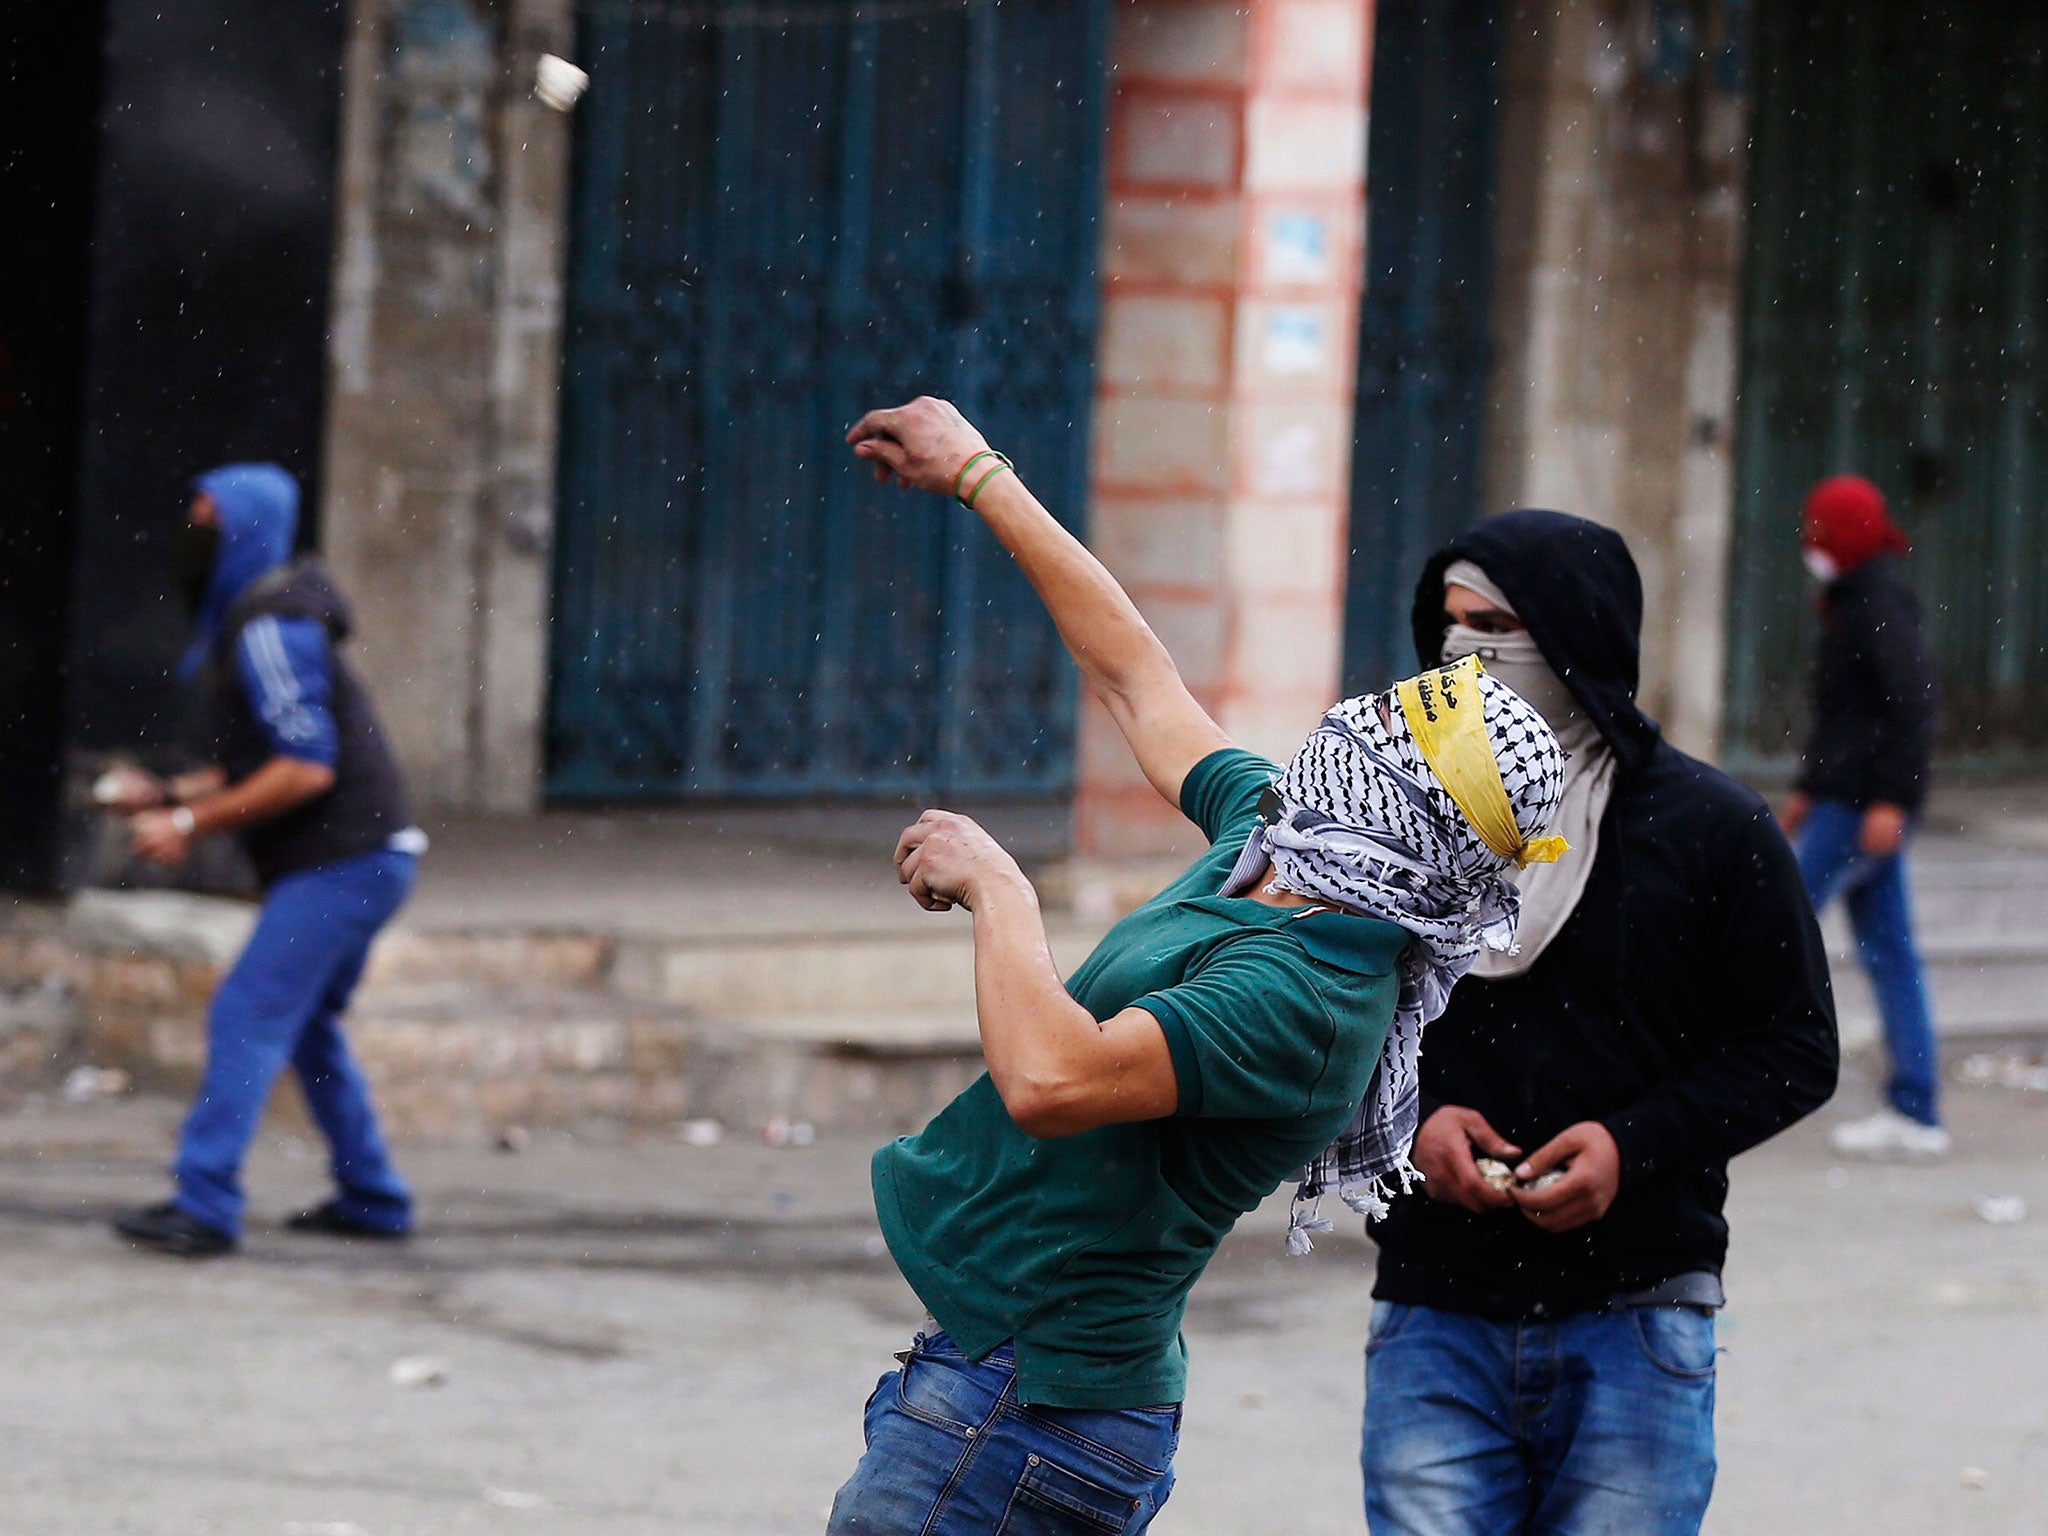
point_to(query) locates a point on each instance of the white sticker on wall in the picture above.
(1294, 341)
(1297, 248)
(1288, 462)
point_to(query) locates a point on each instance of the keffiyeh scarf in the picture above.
(1360, 821)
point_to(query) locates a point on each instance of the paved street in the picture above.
(676, 1340)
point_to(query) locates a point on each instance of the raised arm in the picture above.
(925, 445)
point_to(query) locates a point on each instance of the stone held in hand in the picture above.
(1502, 1177)
(1495, 1172)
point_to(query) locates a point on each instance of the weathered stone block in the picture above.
(1286, 547)
(1147, 442)
(516, 959)
(1303, 142)
(1298, 638)
(1316, 44)
(1148, 540)
(1176, 139)
(1187, 44)
(1294, 449)
(1175, 341)
(1170, 240)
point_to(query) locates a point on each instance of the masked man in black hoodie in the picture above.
(1542, 1348)
(303, 777)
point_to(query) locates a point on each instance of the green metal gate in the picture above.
(785, 213)
(1422, 328)
(1893, 327)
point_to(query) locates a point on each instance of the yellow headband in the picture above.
(1446, 713)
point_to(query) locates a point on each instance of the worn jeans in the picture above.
(1591, 1424)
(951, 1452)
(1882, 915)
(282, 1004)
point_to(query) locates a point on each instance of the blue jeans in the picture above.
(1883, 919)
(951, 1452)
(283, 1002)
(1592, 1424)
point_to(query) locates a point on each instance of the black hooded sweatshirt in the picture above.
(1874, 703)
(1684, 1004)
(366, 805)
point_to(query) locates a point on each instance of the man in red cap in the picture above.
(1862, 782)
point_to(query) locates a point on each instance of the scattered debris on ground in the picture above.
(2001, 1210)
(419, 1371)
(85, 1085)
(2005, 1069)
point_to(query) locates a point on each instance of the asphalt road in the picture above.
(665, 1339)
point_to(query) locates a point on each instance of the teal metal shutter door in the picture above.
(1423, 350)
(1893, 315)
(784, 215)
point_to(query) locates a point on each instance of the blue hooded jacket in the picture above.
(268, 627)
(258, 506)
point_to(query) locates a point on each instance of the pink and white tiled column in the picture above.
(1231, 271)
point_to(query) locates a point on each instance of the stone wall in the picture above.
(441, 437)
(462, 1036)
(1615, 302)
(75, 992)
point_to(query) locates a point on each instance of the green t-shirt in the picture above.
(1082, 1248)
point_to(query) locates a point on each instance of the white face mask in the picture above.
(1517, 661)
(1820, 565)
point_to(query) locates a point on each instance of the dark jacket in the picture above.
(1684, 1005)
(1874, 700)
(366, 805)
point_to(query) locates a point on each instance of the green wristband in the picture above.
(961, 478)
(982, 484)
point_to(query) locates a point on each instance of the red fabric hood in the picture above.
(1846, 520)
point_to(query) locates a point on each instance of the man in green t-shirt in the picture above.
(1267, 1004)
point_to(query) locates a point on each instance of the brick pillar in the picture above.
(1224, 405)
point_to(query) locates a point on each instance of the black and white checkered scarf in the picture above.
(1358, 821)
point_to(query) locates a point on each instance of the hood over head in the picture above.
(1846, 519)
(258, 510)
(1575, 586)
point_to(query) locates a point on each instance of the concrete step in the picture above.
(450, 1061)
(1974, 990)
(1983, 907)
(769, 971)
(1980, 914)
(468, 1032)
(844, 1013)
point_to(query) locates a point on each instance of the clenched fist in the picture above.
(948, 859)
(923, 445)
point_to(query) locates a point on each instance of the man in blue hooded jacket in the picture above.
(305, 780)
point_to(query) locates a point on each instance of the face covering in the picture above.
(1820, 565)
(1516, 661)
(193, 555)
(1549, 892)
